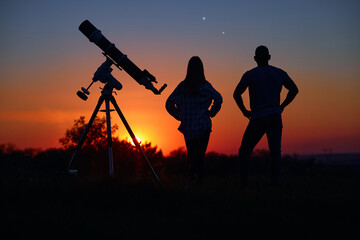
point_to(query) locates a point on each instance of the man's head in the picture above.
(262, 55)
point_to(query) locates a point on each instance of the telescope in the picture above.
(103, 74)
(114, 56)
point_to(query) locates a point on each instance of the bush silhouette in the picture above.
(96, 137)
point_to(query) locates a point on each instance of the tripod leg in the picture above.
(109, 138)
(82, 139)
(112, 99)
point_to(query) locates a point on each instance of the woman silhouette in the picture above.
(190, 103)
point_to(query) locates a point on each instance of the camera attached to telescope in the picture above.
(114, 57)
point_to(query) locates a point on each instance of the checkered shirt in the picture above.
(193, 111)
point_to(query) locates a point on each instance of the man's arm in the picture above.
(239, 90)
(293, 91)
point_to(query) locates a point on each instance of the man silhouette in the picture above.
(265, 83)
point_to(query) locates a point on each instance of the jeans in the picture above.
(271, 126)
(196, 149)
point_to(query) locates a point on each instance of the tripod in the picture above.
(106, 95)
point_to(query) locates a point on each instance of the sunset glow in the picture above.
(138, 140)
(45, 60)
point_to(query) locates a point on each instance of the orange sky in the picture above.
(318, 119)
(44, 63)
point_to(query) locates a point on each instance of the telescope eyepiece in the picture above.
(162, 88)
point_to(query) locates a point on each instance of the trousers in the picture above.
(270, 125)
(196, 149)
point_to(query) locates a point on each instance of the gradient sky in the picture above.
(45, 60)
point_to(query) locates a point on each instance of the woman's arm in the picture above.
(171, 106)
(216, 106)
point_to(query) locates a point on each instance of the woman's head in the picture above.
(195, 76)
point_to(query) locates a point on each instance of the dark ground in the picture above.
(301, 208)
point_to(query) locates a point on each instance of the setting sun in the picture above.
(138, 139)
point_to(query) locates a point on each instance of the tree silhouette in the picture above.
(128, 162)
(96, 137)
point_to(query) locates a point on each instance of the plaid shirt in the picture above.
(193, 111)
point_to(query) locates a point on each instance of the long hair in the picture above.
(195, 76)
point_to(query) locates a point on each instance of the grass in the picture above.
(301, 208)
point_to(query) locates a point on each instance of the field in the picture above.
(312, 202)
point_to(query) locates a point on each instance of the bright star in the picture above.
(204, 18)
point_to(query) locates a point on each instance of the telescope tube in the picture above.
(95, 36)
